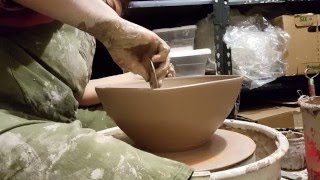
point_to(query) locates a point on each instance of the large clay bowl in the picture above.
(182, 114)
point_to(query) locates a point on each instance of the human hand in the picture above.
(132, 47)
(129, 44)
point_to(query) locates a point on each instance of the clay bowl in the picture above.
(182, 114)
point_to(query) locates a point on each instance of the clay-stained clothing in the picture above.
(43, 73)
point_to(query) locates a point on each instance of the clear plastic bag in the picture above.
(257, 50)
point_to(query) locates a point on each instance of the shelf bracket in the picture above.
(221, 11)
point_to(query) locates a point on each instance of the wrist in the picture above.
(108, 31)
(103, 29)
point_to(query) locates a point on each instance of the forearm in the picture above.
(83, 14)
(90, 96)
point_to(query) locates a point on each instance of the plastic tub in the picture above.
(190, 63)
(294, 160)
(178, 38)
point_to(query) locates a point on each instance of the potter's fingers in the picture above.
(163, 69)
(160, 82)
(167, 73)
(161, 77)
(172, 72)
(162, 52)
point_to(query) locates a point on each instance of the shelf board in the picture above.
(167, 3)
(172, 3)
(244, 2)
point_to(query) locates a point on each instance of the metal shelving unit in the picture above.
(221, 9)
(167, 3)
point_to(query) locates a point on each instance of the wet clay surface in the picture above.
(264, 144)
(224, 149)
(181, 115)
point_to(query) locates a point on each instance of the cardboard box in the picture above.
(304, 46)
(275, 117)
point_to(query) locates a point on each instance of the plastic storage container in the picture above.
(178, 38)
(190, 62)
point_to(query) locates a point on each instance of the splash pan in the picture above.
(270, 144)
(225, 149)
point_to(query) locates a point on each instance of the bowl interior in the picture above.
(176, 82)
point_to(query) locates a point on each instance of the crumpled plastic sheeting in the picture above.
(257, 50)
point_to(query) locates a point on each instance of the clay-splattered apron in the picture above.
(43, 71)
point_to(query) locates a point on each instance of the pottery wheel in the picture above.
(226, 148)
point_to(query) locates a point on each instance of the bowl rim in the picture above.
(118, 85)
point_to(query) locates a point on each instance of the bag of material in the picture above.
(257, 50)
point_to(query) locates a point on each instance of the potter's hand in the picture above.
(132, 47)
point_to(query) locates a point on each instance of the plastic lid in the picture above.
(194, 52)
(180, 28)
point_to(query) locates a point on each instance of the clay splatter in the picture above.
(97, 174)
(52, 127)
(88, 156)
